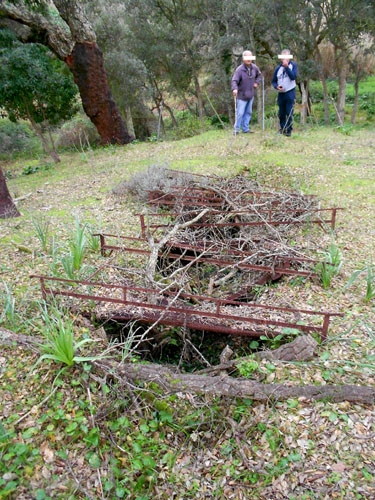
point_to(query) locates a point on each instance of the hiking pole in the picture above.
(159, 121)
(262, 103)
(235, 115)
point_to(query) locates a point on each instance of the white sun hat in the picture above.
(285, 56)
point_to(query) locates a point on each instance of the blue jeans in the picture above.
(286, 106)
(244, 112)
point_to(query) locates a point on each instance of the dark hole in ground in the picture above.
(185, 348)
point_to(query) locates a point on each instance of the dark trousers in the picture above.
(286, 107)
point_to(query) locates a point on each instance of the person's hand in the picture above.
(255, 85)
(235, 91)
(285, 63)
(280, 87)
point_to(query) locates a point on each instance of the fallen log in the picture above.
(9, 338)
(223, 385)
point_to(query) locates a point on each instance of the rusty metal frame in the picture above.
(268, 222)
(168, 314)
(157, 197)
(199, 247)
(283, 268)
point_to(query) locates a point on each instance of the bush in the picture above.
(188, 125)
(78, 132)
(367, 103)
(155, 177)
(15, 137)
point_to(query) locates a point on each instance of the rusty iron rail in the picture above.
(208, 197)
(275, 271)
(186, 315)
(268, 222)
(199, 247)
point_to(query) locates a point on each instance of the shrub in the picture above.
(188, 125)
(15, 137)
(155, 177)
(78, 132)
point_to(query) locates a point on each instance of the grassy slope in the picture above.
(302, 450)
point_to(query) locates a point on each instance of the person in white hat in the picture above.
(244, 82)
(284, 81)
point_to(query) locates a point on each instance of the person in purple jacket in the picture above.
(244, 82)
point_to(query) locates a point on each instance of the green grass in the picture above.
(91, 425)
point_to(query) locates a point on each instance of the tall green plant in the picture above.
(369, 272)
(9, 313)
(330, 266)
(41, 226)
(67, 262)
(60, 345)
(78, 244)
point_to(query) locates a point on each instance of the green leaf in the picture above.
(332, 416)
(325, 356)
(148, 461)
(40, 495)
(137, 464)
(95, 461)
(120, 492)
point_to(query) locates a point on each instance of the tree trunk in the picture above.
(187, 104)
(129, 120)
(68, 33)
(87, 65)
(356, 97)
(223, 385)
(52, 152)
(341, 65)
(174, 381)
(323, 79)
(171, 114)
(7, 206)
(304, 88)
(198, 92)
(325, 99)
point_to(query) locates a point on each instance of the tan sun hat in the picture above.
(285, 56)
(247, 55)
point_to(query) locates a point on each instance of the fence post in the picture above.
(262, 103)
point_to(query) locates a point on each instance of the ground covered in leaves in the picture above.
(73, 435)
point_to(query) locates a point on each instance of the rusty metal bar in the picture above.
(172, 198)
(241, 212)
(190, 311)
(219, 262)
(185, 295)
(228, 252)
(248, 224)
(143, 227)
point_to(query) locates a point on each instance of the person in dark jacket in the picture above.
(284, 81)
(244, 82)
